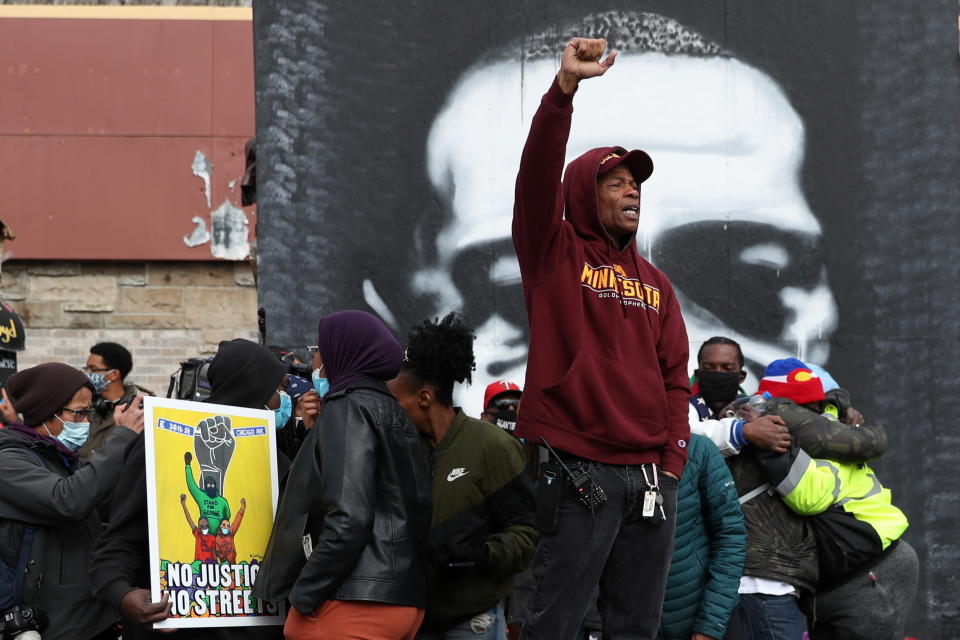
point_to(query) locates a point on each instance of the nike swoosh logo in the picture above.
(456, 473)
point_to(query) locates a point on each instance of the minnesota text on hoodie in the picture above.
(607, 370)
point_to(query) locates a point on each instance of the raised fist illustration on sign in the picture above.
(214, 444)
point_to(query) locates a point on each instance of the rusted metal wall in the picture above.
(122, 131)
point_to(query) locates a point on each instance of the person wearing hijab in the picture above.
(349, 545)
(242, 374)
(48, 498)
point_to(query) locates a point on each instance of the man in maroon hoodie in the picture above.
(606, 382)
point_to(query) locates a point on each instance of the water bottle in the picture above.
(759, 402)
(755, 406)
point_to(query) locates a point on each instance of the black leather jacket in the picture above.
(359, 494)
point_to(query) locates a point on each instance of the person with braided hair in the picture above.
(483, 502)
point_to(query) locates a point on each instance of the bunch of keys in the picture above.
(652, 498)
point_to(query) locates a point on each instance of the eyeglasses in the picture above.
(86, 369)
(78, 413)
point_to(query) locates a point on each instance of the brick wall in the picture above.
(162, 311)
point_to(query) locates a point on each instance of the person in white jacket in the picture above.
(719, 375)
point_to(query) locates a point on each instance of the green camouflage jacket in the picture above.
(781, 544)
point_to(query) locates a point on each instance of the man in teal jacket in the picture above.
(708, 552)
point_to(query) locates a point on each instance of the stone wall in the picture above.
(162, 311)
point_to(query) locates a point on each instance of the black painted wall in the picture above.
(347, 94)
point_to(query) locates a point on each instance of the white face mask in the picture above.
(205, 530)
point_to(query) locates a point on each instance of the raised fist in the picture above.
(187, 457)
(581, 60)
(183, 498)
(215, 428)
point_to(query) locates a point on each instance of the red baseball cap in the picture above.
(496, 388)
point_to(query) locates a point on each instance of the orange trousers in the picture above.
(354, 620)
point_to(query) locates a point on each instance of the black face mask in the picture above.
(210, 490)
(718, 386)
(506, 420)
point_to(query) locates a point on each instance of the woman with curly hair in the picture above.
(483, 501)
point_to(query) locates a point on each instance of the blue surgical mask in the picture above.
(285, 411)
(98, 381)
(74, 434)
(225, 530)
(320, 385)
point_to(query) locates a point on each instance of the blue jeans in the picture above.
(613, 546)
(771, 617)
(489, 625)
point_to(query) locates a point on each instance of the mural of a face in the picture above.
(724, 214)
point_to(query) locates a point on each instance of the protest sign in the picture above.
(211, 499)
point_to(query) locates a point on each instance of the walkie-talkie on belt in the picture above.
(590, 493)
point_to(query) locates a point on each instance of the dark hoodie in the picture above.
(607, 369)
(243, 374)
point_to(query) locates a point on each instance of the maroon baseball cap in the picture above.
(639, 163)
(496, 388)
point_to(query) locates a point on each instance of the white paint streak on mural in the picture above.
(766, 254)
(372, 298)
(814, 313)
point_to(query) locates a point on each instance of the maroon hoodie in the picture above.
(607, 370)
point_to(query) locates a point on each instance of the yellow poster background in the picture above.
(247, 476)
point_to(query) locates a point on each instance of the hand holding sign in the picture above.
(136, 606)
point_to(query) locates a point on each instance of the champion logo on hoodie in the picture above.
(612, 282)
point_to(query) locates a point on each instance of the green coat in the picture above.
(782, 545)
(482, 499)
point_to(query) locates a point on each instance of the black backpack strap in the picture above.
(26, 546)
(26, 542)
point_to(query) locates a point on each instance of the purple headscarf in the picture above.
(355, 345)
